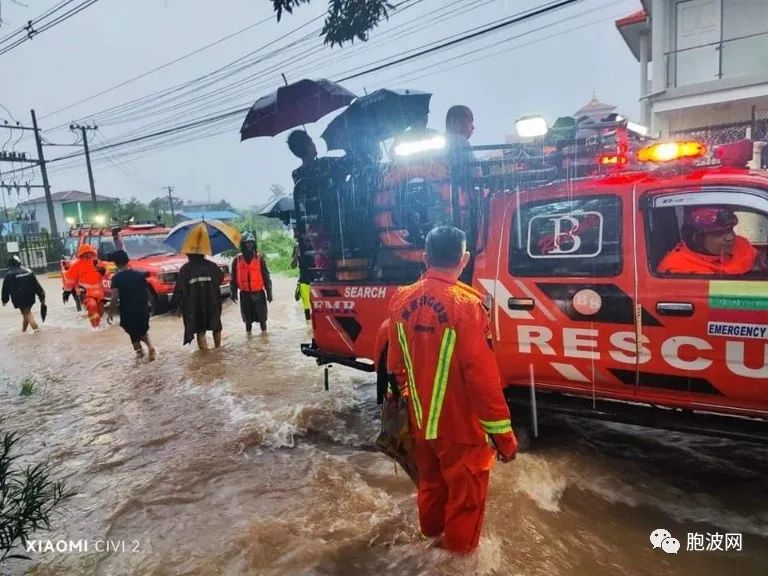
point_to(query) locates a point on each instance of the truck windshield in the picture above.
(144, 245)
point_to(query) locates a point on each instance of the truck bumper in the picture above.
(309, 349)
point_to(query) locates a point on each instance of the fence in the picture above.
(40, 252)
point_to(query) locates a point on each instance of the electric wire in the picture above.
(226, 115)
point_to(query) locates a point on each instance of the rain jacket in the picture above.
(683, 260)
(85, 276)
(440, 352)
(198, 294)
(20, 285)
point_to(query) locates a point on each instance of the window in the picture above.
(578, 237)
(676, 249)
(70, 247)
(144, 245)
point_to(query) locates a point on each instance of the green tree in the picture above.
(162, 204)
(123, 210)
(346, 20)
(28, 496)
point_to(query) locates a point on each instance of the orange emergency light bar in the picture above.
(612, 160)
(669, 151)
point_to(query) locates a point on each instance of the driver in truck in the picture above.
(710, 245)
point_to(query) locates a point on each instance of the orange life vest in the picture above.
(683, 260)
(249, 278)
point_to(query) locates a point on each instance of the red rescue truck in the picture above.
(566, 253)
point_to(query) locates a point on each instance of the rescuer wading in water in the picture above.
(250, 276)
(440, 353)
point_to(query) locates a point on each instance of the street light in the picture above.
(69, 220)
(417, 146)
(531, 127)
(99, 219)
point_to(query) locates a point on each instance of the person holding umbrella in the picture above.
(197, 293)
(20, 286)
(250, 276)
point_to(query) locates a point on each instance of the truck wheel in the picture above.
(524, 435)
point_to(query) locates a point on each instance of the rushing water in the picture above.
(237, 461)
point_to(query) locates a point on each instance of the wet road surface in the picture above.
(236, 461)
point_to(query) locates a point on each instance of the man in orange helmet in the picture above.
(84, 277)
(710, 245)
(440, 353)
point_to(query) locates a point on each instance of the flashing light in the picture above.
(669, 151)
(612, 160)
(417, 146)
(637, 128)
(99, 219)
(69, 220)
(531, 127)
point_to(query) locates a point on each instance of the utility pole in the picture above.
(170, 202)
(84, 128)
(44, 172)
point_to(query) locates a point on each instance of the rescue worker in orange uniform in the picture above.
(440, 353)
(84, 278)
(710, 245)
(250, 276)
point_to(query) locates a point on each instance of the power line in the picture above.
(31, 31)
(298, 58)
(224, 115)
(161, 67)
(148, 103)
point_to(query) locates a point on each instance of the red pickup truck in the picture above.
(145, 247)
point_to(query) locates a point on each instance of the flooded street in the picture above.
(237, 461)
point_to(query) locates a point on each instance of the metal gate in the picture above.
(40, 252)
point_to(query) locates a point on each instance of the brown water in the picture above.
(237, 461)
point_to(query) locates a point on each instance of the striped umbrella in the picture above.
(202, 236)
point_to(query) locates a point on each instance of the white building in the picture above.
(702, 63)
(70, 204)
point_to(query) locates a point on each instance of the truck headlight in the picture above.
(168, 277)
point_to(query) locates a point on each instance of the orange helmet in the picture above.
(86, 249)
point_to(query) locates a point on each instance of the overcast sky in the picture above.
(549, 65)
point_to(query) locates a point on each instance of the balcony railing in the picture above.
(744, 56)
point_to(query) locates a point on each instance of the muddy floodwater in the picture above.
(237, 461)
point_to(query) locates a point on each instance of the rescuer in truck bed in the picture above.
(710, 245)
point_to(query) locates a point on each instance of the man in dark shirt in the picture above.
(459, 127)
(20, 286)
(303, 147)
(131, 289)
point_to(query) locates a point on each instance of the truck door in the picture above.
(562, 290)
(710, 345)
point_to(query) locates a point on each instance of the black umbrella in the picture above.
(43, 311)
(376, 117)
(281, 209)
(293, 105)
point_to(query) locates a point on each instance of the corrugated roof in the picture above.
(68, 196)
(210, 214)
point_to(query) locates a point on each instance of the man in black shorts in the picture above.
(131, 289)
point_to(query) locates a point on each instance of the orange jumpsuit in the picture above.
(683, 260)
(84, 277)
(440, 352)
